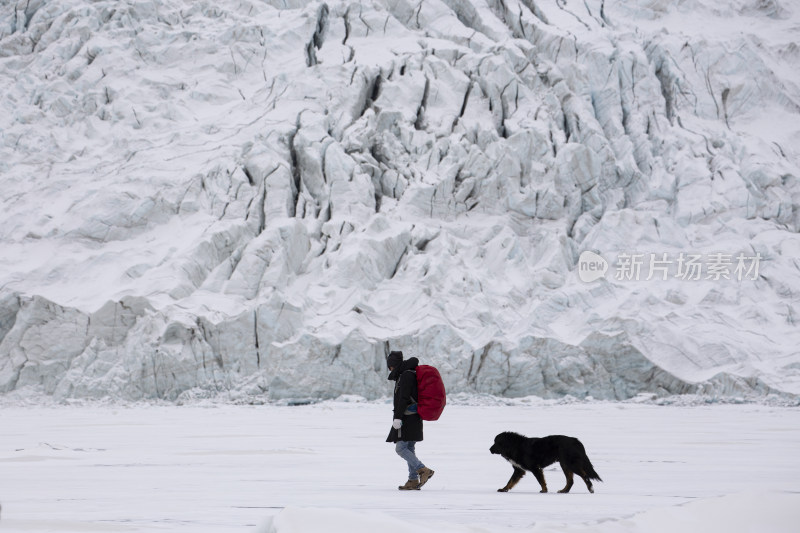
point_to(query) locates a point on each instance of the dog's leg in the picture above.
(568, 474)
(515, 477)
(588, 481)
(540, 478)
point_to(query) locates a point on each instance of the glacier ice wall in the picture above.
(265, 197)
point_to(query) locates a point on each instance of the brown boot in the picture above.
(410, 485)
(425, 474)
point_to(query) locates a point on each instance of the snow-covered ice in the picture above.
(326, 467)
(247, 201)
(204, 196)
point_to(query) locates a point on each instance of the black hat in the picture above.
(394, 359)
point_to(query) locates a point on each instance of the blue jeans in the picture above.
(405, 449)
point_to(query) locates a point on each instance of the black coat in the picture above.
(404, 390)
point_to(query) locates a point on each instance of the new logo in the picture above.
(591, 266)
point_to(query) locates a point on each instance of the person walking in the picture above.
(406, 428)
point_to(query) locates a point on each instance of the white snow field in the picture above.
(210, 196)
(326, 468)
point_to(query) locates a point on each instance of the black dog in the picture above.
(534, 454)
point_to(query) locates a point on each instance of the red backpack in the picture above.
(430, 387)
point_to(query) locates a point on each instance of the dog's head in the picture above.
(493, 448)
(501, 442)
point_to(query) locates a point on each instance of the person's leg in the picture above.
(420, 470)
(418, 465)
(405, 449)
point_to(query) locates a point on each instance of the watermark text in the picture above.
(664, 266)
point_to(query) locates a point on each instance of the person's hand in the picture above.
(396, 423)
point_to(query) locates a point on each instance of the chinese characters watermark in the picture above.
(684, 266)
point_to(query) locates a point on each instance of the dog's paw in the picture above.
(502, 490)
(543, 491)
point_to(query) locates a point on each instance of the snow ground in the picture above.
(325, 466)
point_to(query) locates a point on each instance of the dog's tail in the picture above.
(589, 469)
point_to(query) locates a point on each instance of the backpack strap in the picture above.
(411, 409)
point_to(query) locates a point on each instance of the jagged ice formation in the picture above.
(264, 197)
